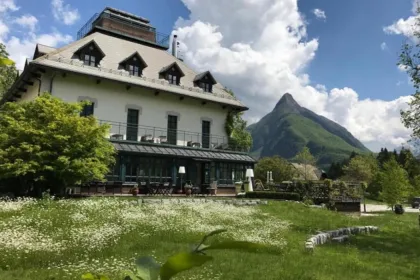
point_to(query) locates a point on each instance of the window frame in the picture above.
(172, 130)
(172, 78)
(85, 112)
(205, 133)
(206, 87)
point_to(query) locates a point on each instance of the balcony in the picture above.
(150, 135)
(128, 28)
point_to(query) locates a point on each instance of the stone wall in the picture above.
(338, 235)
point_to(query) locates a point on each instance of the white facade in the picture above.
(114, 90)
(112, 101)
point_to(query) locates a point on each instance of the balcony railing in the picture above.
(124, 27)
(164, 136)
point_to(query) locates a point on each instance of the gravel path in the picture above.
(383, 208)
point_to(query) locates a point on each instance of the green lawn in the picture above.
(62, 240)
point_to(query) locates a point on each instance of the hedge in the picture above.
(274, 195)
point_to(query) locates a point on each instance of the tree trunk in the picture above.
(364, 202)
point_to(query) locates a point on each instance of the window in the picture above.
(90, 60)
(172, 73)
(90, 54)
(173, 79)
(134, 65)
(172, 129)
(205, 81)
(226, 173)
(134, 70)
(87, 110)
(205, 137)
(206, 87)
(132, 124)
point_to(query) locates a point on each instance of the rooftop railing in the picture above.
(151, 135)
(126, 27)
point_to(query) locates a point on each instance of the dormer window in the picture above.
(173, 79)
(206, 87)
(172, 73)
(90, 54)
(205, 81)
(134, 64)
(134, 70)
(90, 60)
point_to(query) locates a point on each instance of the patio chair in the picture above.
(212, 190)
(259, 186)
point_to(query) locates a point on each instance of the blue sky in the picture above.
(332, 63)
(350, 53)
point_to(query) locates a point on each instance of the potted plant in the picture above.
(188, 189)
(246, 186)
(238, 187)
(134, 191)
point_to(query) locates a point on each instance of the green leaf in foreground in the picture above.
(4, 61)
(201, 245)
(217, 231)
(147, 268)
(181, 262)
(90, 276)
(236, 245)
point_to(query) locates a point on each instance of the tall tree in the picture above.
(307, 160)
(407, 160)
(235, 127)
(383, 156)
(395, 183)
(47, 142)
(281, 168)
(336, 169)
(362, 169)
(8, 71)
(410, 61)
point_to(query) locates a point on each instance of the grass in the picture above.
(61, 240)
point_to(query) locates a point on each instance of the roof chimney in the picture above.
(175, 46)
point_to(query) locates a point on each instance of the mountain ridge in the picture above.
(289, 127)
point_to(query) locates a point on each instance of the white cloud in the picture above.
(21, 49)
(28, 21)
(320, 14)
(384, 46)
(4, 30)
(261, 52)
(415, 6)
(403, 68)
(406, 26)
(23, 46)
(64, 13)
(402, 27)
(6, 5)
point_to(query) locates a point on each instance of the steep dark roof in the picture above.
(202, 75)
(173, 64)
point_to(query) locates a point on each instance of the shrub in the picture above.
(274, 195)
(45, 144)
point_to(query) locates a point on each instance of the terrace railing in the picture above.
(163, 136)
(126, 27)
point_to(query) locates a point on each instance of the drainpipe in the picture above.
(51, 82)
(39, 85)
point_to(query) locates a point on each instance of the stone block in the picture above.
(341, 239)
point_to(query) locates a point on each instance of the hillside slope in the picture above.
(290, 127)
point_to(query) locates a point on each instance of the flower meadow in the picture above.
(62, 239)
